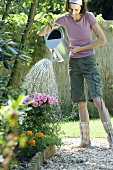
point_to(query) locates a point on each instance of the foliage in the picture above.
(100, 19)
(17, 19)
(41, 123)
(17, 22)
(53, 6)
(35, 142)
(101, 7)
(111, 26)
(41, 103)
(14, 7)
(93, 112)
(7, 51)
(16, 13)
(69, 112)
(23, 131)
(9, 91)
(9, 137)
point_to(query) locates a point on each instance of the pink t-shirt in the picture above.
(79, 33)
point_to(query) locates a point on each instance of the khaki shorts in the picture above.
(79, 70)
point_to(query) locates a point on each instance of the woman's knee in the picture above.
(98, 102)
(82, 105)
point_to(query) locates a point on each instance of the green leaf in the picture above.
(28, 64)
(8, 40)
(17, 102)
(9, 87)
(0, 49)
(19, 51)
(2, 41)
(28, 109)
(3, 88)
(11, 43)
(12, 50)
(24, 57)
(20, 99)
(14, 104)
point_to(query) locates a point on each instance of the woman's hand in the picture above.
(75, 49)
(52, 23)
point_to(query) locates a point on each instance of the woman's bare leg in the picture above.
(84, 125)
(83, 112)
(103, 112)
(104, 116)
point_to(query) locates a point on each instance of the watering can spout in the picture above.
(58, 45)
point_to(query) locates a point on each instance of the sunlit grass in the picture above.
(71, 129)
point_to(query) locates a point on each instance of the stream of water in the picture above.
(41, 79)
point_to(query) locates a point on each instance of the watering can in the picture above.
(57, 44)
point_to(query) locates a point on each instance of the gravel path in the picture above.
(96, 157)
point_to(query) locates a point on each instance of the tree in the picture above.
(27, 30)
(104, 7)
(24, 19)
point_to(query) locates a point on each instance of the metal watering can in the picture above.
(57, 44)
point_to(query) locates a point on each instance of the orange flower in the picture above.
(22, 135)
(40, 135)
(32, 142)
(29, 132)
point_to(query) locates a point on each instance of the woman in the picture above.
(82, 64)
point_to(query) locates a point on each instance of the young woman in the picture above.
(80, 24)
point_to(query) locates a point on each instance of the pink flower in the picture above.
(32, 96)
(41, 96)
(55, 100)
(40, 99)
(40, 103)
(37, 98)
(44, 99)
(35, 93)
(47, 95)
(26, 100)
(52, 100)
(35, 104)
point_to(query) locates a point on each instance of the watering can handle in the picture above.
(51, 30)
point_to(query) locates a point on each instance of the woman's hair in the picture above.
(83, 7)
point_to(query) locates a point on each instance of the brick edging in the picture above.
(40, 157)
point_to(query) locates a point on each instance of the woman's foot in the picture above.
(81, 145)
(109, 130)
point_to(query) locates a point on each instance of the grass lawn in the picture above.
(71, 129)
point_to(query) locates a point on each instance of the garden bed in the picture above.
(40, 158)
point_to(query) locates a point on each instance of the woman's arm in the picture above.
(46, 30)
(101, 40)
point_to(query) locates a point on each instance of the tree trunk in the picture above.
(6, 9)
(16, 76)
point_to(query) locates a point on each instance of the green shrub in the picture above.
(9, 137)
(69, 111)
(40, 118)
(26, 129)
